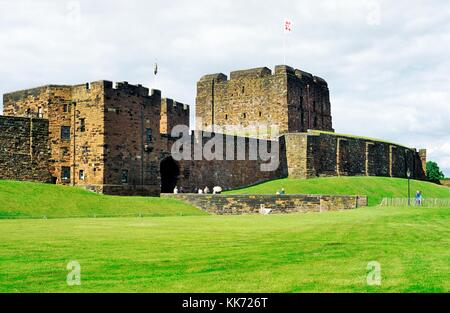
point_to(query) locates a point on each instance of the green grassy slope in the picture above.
(318, 252)
(25, 199)
(374, 187)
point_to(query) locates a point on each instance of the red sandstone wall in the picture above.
(226, 173)
(339, 155)
(129, 113)
(24, 152)
(173, 113)
(66, 106)
(291, 99)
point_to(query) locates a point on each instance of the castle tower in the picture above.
(173, 113)
(102, 137)
(293, 100)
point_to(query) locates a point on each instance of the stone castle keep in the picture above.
(293, 100)
(117, 139)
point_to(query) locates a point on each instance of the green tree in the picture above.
(434, 173)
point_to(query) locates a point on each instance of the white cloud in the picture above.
(387, 62)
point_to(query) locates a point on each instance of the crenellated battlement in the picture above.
(263, 72)
(284, 69)
(123, 87)
(138, 90)
(218, 77)
(106, 85)
(305, 76)
(175, 106)
(251, 73)
(173, 113)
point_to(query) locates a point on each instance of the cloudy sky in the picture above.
(387, 62)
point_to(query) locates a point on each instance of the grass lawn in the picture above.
(27, 200)
(374, 187)
(316, 252)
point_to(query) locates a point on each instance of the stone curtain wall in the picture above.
(251, 204)
(317, 154)
(229, 174)
(24, 149)
(292, 99)
(296, 153)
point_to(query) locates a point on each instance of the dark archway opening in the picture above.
(169, 174)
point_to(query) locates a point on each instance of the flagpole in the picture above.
(155, 74)
(286, 29)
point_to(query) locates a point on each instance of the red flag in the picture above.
(287, 25)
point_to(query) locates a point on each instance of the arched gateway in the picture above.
(169, 174)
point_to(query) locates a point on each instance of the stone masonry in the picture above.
(293, 100)
(232, 167)
(319, 154)
(251, 204)
(173, 113)
(104, 138)
(24, 149)
(117, 140)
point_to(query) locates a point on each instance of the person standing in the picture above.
(417, 198)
